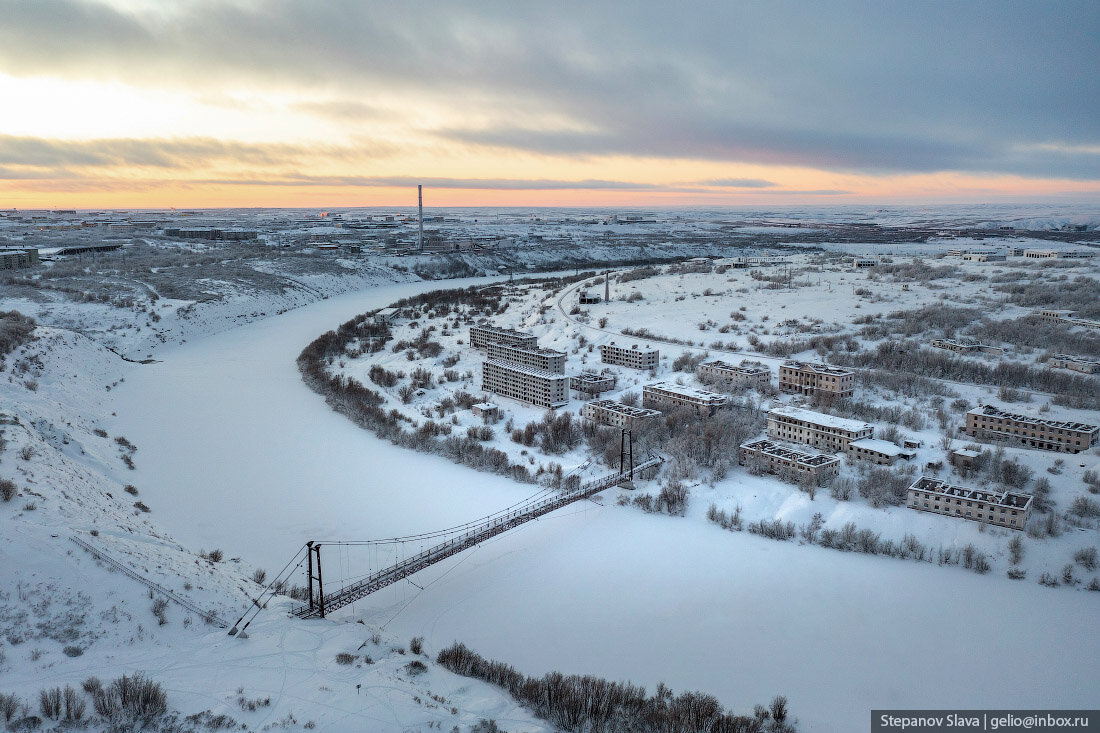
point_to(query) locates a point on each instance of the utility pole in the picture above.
(420, 207)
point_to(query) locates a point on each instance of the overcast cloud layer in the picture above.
(869, 87)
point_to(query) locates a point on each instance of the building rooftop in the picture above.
(1003, 498)
(819, 367)
(693, 392)
(884, 447)
(628, 410)
(993, 411)
(781, 451)
(820, 418)
(533, 371)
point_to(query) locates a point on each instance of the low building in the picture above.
(1001, 508)
(590, 383)
(964, 458)
(1067, 317)
(965, 346)
(1041, 254)
(1054, 254)
(991, 423)
(485, 410)
(585, 297)
(816, 379)
(1074, 363)
(790, 463)
(482, 336)
(880, 452)
(984, 257)
(616, 414)
(526, 384)
(826, 432)
(747, 372)
(546, 359)
(860, 263)
(634, 357)
(665, 395)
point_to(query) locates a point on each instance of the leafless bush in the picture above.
(345, 658)
(9, 705)
(416, 645)
(1086, 557)
(160, 609)
(7, 489)
(49, 703)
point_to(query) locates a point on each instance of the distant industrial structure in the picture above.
(1002, 508)
(994, 424)
(816, 379)
(791, 463)
(634, 357)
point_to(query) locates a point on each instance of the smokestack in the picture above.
(607, 286)
(420, 204)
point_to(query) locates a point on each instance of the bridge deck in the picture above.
(476, 535)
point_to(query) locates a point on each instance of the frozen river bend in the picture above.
(236, 453)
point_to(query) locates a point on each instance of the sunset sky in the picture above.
(155, 103)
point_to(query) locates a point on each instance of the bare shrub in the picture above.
(7, 489)
(49, 703)
(345, 658)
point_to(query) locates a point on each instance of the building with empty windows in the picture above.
(669, 395)
(1054, 254)
(747, 372)
(984, 257)
(1001, 508)
(859, 263)
(12, 258)
(1074, 363)
(1067, 317)
(994, 424)
(790, 463)
(545, 359)
(825, 432)
(591, 383)
(816, 379)
(482, 336)
(534, 386)
(964, 346)
(634, 357)
(616, 414)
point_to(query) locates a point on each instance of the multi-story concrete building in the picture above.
(822, 431)
(1054, 254)
(963, 346)
(15, 258)
(1074, 363)
(526, 384)
(859, 263)
(816, 379)
(482, 336)
(590, 383)
(616, 414)
(1002, 508)
(748, 372)
(665, 395)
(634, 357)
(881, 452)
(790, 463)
(991, 423)
(545, 359)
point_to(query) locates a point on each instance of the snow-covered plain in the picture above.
(244, 457)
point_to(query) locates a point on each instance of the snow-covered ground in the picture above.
(233, 452)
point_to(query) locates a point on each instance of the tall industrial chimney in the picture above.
(607, 286)
(420, 204)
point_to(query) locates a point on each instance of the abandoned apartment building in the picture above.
(545, 359)
(797, 465)
(965, 346)
(749, 373)
(825, 432)
(816, 379)
(634, 357)
(482, 336)
(527, 384)
(588, 384)
(1074, 363)
(991, 423)
(616, 414)
(671, 395)
(1002, 508)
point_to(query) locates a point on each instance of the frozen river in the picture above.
(236, 453)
